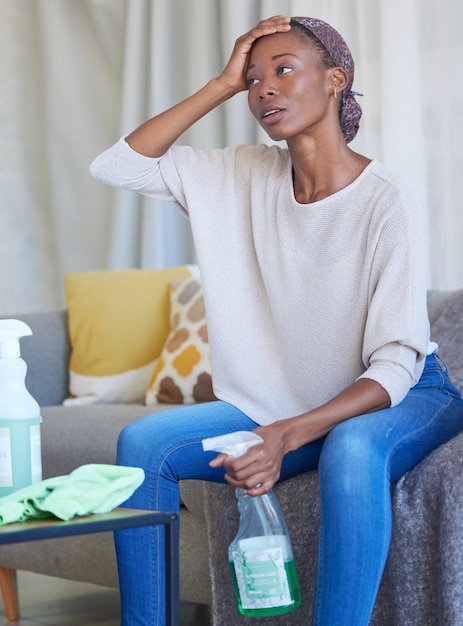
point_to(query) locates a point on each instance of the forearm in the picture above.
(363, 396)
(155, 137)
(261, 465)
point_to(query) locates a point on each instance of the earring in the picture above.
(335, 92)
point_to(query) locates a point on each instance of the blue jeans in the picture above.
(357, 461)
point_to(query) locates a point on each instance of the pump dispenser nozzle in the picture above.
(234, 444)
(11, 332)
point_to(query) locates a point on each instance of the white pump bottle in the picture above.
(20, 444)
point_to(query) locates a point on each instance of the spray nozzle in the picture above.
(234, 444)
(11, 332)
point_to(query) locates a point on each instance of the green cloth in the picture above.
(94, 488)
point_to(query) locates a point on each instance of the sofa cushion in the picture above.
(118, 323)
(183, 372)
(447, 331)
(76, 435)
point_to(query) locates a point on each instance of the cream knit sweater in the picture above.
(301, 299)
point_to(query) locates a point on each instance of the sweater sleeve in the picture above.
(121, 166)
(397, 329)
(181, 175)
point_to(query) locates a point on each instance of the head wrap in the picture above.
(331, 40)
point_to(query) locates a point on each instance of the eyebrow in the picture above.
(275, 58)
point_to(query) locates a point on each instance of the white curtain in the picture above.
(77, 74)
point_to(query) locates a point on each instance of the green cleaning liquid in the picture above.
(256, 592)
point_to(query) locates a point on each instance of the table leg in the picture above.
(9, 589)
(172, 537)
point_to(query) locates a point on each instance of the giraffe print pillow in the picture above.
(183, 372)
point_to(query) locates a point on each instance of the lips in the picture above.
(271, 114)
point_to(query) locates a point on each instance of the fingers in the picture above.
(277, 23)
(255, 485)
(260, 490)
(255, 478)
(218, 461)
(251, 486)
(270, 26)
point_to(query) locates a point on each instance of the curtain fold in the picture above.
(76, 75)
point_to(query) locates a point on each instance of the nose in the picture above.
(267, 89)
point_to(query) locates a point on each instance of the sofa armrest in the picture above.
(46, 354)
(437, 301)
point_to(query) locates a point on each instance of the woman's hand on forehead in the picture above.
(234, 74)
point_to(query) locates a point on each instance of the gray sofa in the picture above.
(423, 583)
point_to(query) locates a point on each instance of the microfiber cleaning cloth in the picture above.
(94, 488)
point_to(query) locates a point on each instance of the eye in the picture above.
(284, 69)
(252, 81)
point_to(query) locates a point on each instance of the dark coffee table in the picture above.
(119, 518)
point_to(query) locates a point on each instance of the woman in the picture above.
(312, 266)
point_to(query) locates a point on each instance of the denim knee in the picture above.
(346, 440)
(348, 455)
(131, 443)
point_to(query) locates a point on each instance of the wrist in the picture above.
(287, 432)
(224, 89)
(301, 429)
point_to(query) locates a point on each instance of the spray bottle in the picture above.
(260, 556)
(20, 449)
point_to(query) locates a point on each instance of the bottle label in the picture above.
(261, 578)
(36, 454)
(6, 466)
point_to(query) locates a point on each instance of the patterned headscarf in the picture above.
(336, 47)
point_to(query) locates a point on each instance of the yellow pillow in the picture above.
(183, 372)
(118, 322)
